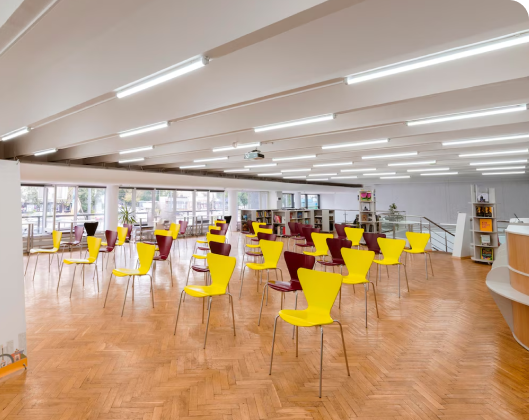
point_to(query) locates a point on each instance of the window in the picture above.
(303, 201)
(125, 197)
(201, 204)
(144, 206)
(216, 203)
(90, 204)
(248, 200)
(64, 207)
(288, 201)
(313, 201)
(184, 204)
(32, 208)
(164, 204)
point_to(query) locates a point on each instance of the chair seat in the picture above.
(315, 253)
(199, 257)
(245, 232)
(283, 286)
(255, 240)
(305, 318)
(201, 241)
(328, 263)
(251, 236)
(145, 242)
(79, 261)
(342, 237)
(253, 246)
(257, 266)
(354, 279)
(254, 254)
(200, 268)
(74, 243)
(204, 291)
(203, 248)
(107, 249)
(124, 272)
(386, 261)
(305, 245)
(159, 258)
(43, 251)
(413, 251)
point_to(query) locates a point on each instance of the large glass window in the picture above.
(248, 200)
(184, 205)
(64, 207)
(32, 208)
(303, 201)
(216, 203)
(144, 206)
(287, 201)
(313, 201)
(90, 205)
(50, 208)
(201, 207)
(164, 204)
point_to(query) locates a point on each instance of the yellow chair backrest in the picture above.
(215, 238)
(354, 235)
(94, 245)
(271, 251)
(163, 232)
(57, 236)
(221, 268)
(268, 231)
(145, 255)
(175, 230)
(391, 249)
(418, 241)
(357, 262)
(320, 289)
(220, 221)
(122, 234)
(320, 241)
(256, 226)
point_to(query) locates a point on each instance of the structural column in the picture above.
(297, 200)
(274, 202)
(233, 208)
(111, 207)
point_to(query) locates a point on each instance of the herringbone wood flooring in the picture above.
(441, 351)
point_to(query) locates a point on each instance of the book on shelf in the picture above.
(485, 240)
(365, 196)
(485, 225)
(487, 254)
(482, 196)
(278, 218)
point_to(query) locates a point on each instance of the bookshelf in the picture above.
(324, 219)
(484, 225)
(367, 215)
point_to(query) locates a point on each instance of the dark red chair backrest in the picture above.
(293, 226)
(340, 231)
(228, 219)
(267, 236)
(296, 261)
(78, 233)
(307, 233)
(215, 232)
(220, 249)
(129, 230)
(183, 226)
(335, 248)
(266, 226)
(223, 228)
(111, 238)
(371, 241)
(164, 245)
(249, 223)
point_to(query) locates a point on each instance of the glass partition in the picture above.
(164, 207)
(313, 201)
(287, 201)
(32, 208)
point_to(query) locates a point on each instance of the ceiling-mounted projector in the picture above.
(254, 155)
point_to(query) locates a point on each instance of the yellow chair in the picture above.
(209, 237)
(354, 235)
(56, 236)
(94, 244)
(391, 251)
(418, 242)
(320, 289)
(145, 255)
(175, 230)
(256, 230)
(220, 269)
(122, 237)
(358, 264)
(271, 252)
(320, 245)
(267, 231)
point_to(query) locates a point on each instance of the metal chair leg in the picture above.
(241, 280)
(344, 350)
(27, 265)
(273, 343)
(321, 359)
(97, 274)
(297, 338)
(73, 278)
(35, 269)
(178, 312)
(207, 324)
(295, 307)
(124, 300)
(108, 289)
(406, 274)
(262, 300)
(152, 289)
(375, 294)
(431, 265)
(60, 274)
(232, 312)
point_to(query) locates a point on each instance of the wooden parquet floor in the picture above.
(442, 351)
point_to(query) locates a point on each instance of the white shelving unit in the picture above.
(484, 211)
(367, 218)
(324, 219)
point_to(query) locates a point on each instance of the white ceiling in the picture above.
(271, 61)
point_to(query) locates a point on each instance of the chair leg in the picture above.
(297, 338)
(73, 278)
(207, 324)
(124, 300)
(178, 313)
(344, 351)
(106, 297)
(365, 293)
(406, 274)
(321, 359)
(273, 342)
(27, 265)
(171, 268)
(399, 280)
(295, 307)
(35, 269)
(60, 274)
(431, 265)
(97, 274)
(262, 300)
(232, 313)
(152, 289)
(49, 263)
(387, 271)
(241, 280)
(375, 294)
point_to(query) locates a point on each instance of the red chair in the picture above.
(335, 248)
(340, 231)
(128, 238)
(204, 244)
(294, 262)
(215, 248)
(183, 229)
(164, 244)
(262, 227)
(111, 237)
(78, 232)
(256, 254)
(371, 240)
(307, 235)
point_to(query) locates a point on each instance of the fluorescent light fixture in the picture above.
(294, 177)
(466, 115)
(442, 57)
(358, 143)
(211, 159)
(423, 162)
(139, 149)
(497, 152)
(144, 129)
(131, 160)
(237, 170)
(44, 152)
(302, 121)
(274, 174)
(428, 170)
(439, 173)
(162, 76)
(323, 165)
(359, 170)
(264, 165)
(485, 140)
(344, 177)
(498, 162)
(295, 170)
(322, 174)
(395, 177)
(16, 133)
(503, 168)
(294, 158)
(380, 174)
(238, 146)
(192, 166)
(392, 155)
(503, 173)
(317, 179)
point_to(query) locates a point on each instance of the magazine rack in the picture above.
(484, 226)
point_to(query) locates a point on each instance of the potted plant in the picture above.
(126, 216)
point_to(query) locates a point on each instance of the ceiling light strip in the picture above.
(16, 133)
(236, 170)
(139, 149)
(486, 140)
(503, 168)
(192, 166)
(440, 173)
(498, 162)
(235, 147)
(210, 159)
(295, 177)
(317, 179)
(144, 129)
(45, 152)
(504, 173)
(428, 170)
(344, 177)
(323, 174)
(380, 174)
(395, 177)
(323, 165)
(355, 144)
(296, 170)
(273, 174)
(359, 170)
(497, 152)
(264, 165)
(423, 162)
(131, 160)
(293, 123)
(393, 155)
(294, 158)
